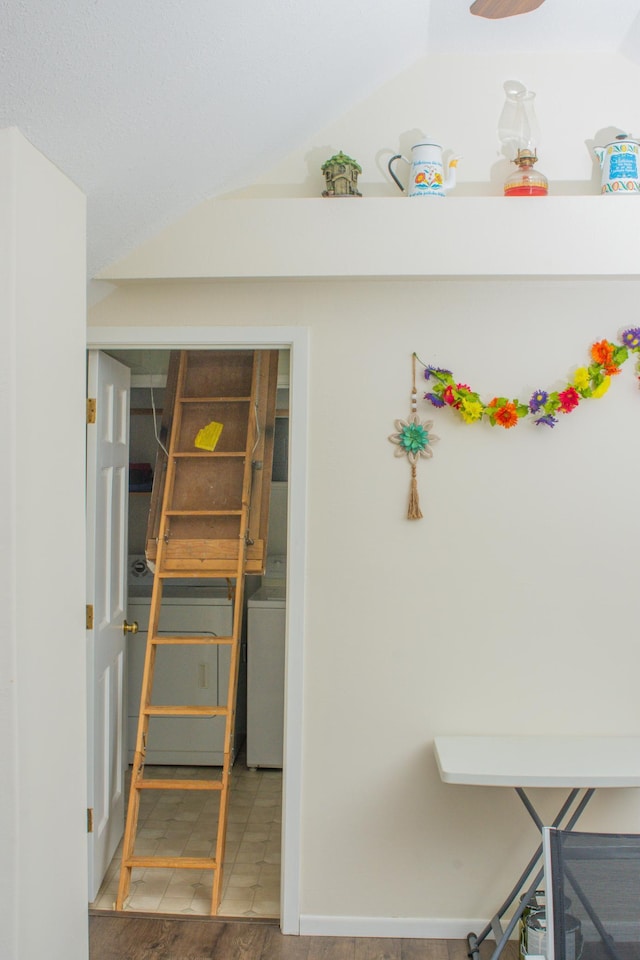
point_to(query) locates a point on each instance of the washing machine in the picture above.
(183, 675)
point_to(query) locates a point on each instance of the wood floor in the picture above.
(166, 938)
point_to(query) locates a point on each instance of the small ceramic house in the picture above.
(341, 176)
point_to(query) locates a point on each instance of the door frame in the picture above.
(296, 339)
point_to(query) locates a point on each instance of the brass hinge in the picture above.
(89, 616)
(89, 819)
(91, 410)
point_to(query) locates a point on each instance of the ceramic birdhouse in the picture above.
(341, 176)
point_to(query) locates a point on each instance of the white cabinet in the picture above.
(183, 675)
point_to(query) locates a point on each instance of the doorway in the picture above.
(295, 342)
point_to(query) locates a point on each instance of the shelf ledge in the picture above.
(567, 236)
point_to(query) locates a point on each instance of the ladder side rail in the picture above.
(242, 550)
(167, 499)
(234, 659)
(133, 807)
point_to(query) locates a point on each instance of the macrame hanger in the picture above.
(414, 512)
(413, 440)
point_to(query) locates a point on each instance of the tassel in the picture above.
(414, 512)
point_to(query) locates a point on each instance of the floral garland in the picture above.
(591, 381)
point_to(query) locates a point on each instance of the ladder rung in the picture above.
(203, 513)
(186, 641)
(184, 863)
(214, 399)
(191, 573)
(208, 455)
(174, 784)
(184, 711)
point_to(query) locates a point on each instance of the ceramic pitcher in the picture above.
(426, 175)
(619, 165)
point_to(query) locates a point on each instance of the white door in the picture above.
(107, 510)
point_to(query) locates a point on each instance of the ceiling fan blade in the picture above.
(498, 9)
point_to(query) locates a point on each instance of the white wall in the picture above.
(509, 607)
(43, 890)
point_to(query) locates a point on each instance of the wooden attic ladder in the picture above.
(208, 518)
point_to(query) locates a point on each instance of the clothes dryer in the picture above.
(265, 676)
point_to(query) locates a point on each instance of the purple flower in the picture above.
(538, 399)
(548, 420)
(631, 337)
(434, 371)
(434, 399)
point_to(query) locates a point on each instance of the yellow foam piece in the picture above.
(207, 438)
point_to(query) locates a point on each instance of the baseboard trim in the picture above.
(405, 927)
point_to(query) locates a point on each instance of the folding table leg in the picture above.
(495, 925)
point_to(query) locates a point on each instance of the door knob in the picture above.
(130, 627)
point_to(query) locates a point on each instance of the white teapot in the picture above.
(426, 177)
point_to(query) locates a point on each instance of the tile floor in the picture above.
(177, 823)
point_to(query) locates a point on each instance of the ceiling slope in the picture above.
(153, 107)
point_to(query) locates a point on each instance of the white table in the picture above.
(579, 764)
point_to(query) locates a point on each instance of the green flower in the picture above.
(413, 438)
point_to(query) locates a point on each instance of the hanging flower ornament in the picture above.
(587, 382)
(413, 440)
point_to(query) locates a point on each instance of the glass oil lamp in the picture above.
(518, 133)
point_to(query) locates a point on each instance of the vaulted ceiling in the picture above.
(152, 107)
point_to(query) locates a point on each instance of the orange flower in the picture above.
(611, 370)
(507, 415)
(602, 352)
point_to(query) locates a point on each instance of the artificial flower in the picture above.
(631, 338)
(450, 395)
(506, 415)
(582, 379)
(569, 399)
(547, 420)
(413, 438)
(538, 399)
(611, 370)
(434, 399)
(471, 410)
(602, 352)
(434, 371)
